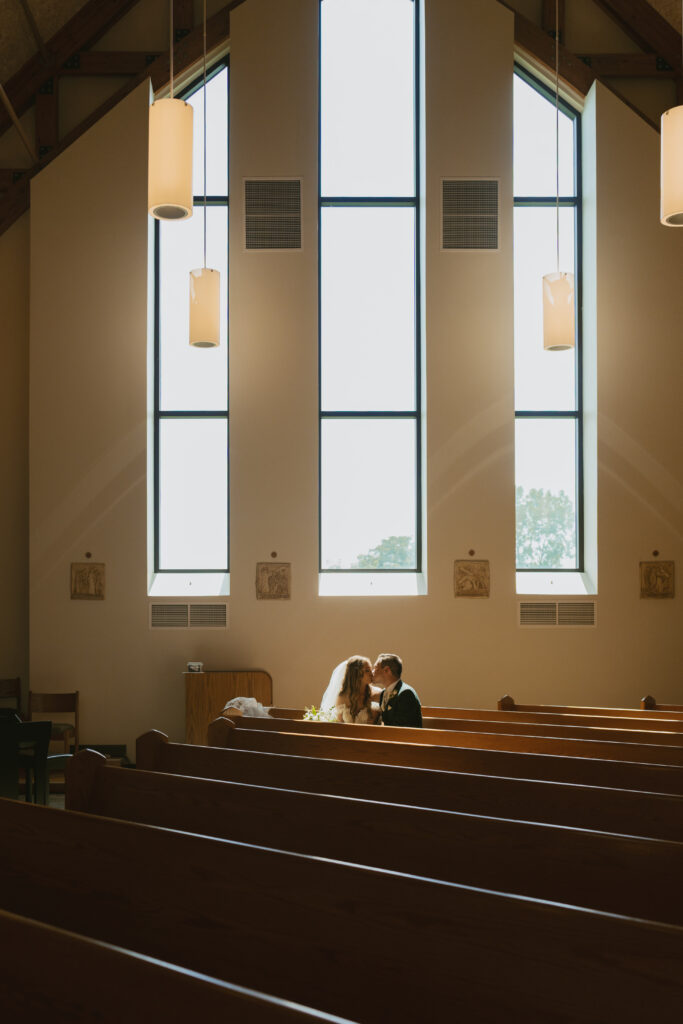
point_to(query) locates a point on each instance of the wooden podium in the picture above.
(206, 694)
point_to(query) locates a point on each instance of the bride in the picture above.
(348, 693)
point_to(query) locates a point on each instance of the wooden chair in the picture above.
(10, 689)
(23, 746)
(40, 704)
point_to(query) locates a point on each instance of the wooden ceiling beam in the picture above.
(107, 62)
(84, 29)
(35, 31)
(645, 26)
(541, 46)
(185, 53)
(548, 17)
(629, 65)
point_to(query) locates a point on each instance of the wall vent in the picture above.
(203, 616)
(557, 613)
(188, 616)
(469, 214)
(272, 214)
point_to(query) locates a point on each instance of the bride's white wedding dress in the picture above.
(341, 711)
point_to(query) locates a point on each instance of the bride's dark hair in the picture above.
(355, 695)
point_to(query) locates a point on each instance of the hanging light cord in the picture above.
(205, 134)
(171, 44)
(557, 131)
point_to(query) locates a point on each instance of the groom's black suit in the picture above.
(402, 707)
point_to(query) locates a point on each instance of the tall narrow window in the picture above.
(191, 384)
(369, 316)
(547, 384)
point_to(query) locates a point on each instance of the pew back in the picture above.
(298, 926)
(565, 865)
(42, 966)
(580, 806)
(659, 778)
(644, 722)
(433, 731)
(508, 703)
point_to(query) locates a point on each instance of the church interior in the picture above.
(563, 864)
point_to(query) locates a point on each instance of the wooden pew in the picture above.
(565, 865)
(650, 704)
(305, 928)
(650, 776)
(453, 735)
(507, 703)
(441, 718)
(82, 980)
(629, 812)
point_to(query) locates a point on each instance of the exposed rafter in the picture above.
(84, 29)
(645, 26)
(186, 53)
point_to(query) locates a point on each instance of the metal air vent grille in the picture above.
(470, 214)
(576, 613)
(213, 616)
(168, 616)
(537, 613)
(557, 613)
(272, 214)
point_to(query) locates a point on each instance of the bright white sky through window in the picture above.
(545, 449)
(193, 451)
(367, 300)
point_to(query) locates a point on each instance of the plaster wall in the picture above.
(89, 418)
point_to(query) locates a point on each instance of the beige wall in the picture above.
(88, 406)
(14, 274)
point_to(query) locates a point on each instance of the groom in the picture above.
(399, 703)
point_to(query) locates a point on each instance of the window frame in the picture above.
(158, 414)
(359, 202)
(566, 202)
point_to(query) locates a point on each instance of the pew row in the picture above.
(647, 814)
(453, 736)
(656, 778)
(441, 718)
(46, 969)
(507, 703)
(308, 929)
(565, 865)
(650, 704)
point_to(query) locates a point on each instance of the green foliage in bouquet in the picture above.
(314, 714)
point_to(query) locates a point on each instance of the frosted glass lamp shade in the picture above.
(558, 312)
(671, 209)
(205, 308)
(170, 160)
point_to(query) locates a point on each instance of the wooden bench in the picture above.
(650, 704)
(579, 806)
(442, 718)
(304, 928)
(83, 980)
(507, 703)
(434, 732)
(565, 865)
(654, 777)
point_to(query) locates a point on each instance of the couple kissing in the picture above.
(365, 694)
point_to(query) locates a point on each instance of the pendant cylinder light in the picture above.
(169, 183)
(170, 160)
(205, 283)
(671, 191)
(558, 312)
(205, 308)
(671, 210)
(558, 288)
